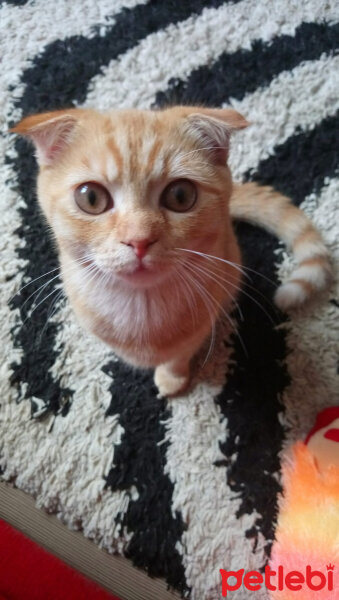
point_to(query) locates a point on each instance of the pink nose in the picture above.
(140, 247)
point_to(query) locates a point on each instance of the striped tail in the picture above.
(263, 206)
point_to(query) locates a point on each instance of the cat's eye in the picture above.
(179, 196)
(92, 198)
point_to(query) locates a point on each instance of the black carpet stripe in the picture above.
(250, 400)
(61, 74)
(15, 2)
(31, 334)
(139, 461)
(300, 165)
(234, 75)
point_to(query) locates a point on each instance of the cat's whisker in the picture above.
(39, 291)
(244, 283)
(212, 317)
(211, 257)
(193, 302)
(30, 282)
(42, 287)
(211, 346)
(222, 286)
(91, 274)
(218, 279)
(104, 279)
(29, 316)
(218, 268)
(84, 259)
(221, 308)
(240, 268)
(244, 293)
(55, 302)
(51, 312)
(107, 279)
(99, 278)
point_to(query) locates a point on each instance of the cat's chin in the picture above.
(143, 277)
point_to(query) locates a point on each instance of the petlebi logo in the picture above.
(277, 580)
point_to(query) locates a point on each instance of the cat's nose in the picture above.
(140, 247)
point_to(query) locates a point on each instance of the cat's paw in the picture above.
(290, 295)
(169, 383)
(305, 281)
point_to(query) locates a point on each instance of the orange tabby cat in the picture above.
(140, 202)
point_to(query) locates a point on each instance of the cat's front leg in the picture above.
(173, 377)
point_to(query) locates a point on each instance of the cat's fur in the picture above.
(159, 315)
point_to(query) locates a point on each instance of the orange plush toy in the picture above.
(305, 555)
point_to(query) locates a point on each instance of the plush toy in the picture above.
(305, 555)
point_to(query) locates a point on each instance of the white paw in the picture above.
(290, 295)
(168, 383)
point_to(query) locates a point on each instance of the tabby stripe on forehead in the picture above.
(301, 165)
(66, 59)
(216, 84)
(113, 148)
(153, 155)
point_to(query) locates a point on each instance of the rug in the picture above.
(187, 486)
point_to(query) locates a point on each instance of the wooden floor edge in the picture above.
(114, 573)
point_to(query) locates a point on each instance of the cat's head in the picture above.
(125, 190)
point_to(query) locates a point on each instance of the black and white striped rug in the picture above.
(188, 486)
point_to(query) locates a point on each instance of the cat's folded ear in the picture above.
(213, 127)
(50, 133)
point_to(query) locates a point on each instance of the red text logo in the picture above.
(277, 580)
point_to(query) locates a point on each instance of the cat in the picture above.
(141, 203)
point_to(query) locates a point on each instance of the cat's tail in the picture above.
(263, 206)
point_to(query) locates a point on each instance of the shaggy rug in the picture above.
(187, 486)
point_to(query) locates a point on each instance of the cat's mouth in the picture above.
(143, 275)
(139, 270)
(140, 275)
